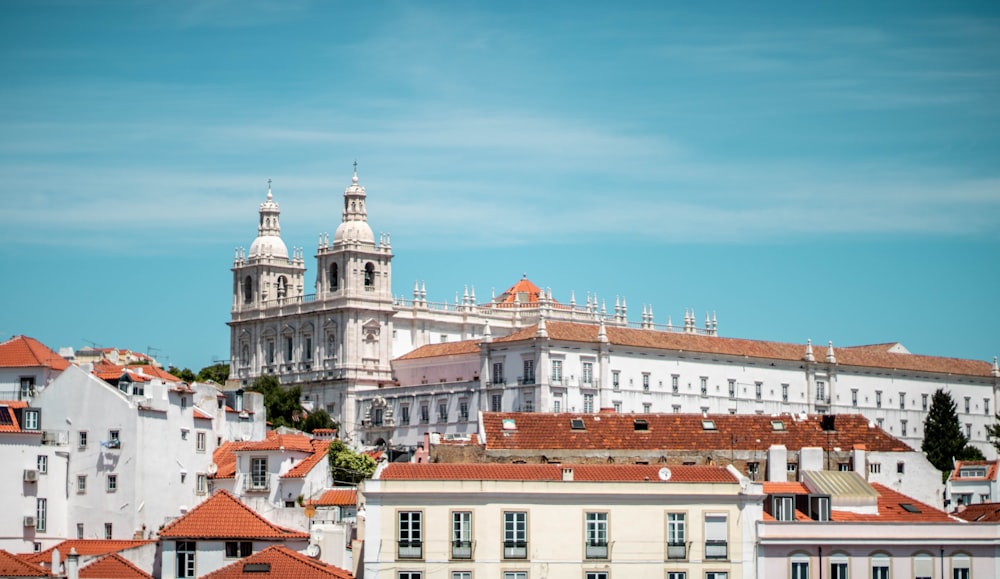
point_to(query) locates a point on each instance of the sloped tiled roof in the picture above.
(86, 547)
(201, 414)
(443, 349)
(890, 507)
(13, 566)
(305, 466)
(554, 472)
(113, 566)
(224, 459)
(25, 352)
(540, 431)
(223, 516)
(867, 356)
(337, 498)
(281, 563)
(278, 441)
(8, 420)
(981, 513)
(523, 287)
(990, 466)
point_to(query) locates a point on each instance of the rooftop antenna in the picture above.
(92, 343)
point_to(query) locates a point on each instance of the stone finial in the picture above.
(996, 369)
(602, 333)
(542, 331)
(572, 298)
(809, 357)
(487, 332)
(830, 357)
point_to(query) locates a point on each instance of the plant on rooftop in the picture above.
(348, 467)
(944, 441)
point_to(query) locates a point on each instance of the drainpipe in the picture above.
(821, 563)
(942, 562)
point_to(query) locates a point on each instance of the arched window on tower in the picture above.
(334, 277)
(282, 286)
(369, 276)
(247, 290)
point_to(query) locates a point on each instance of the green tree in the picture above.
(944, 440)
(282, 404)
(993, 433)
(348, 467)
(217, 373)
(184, 374)
(318, 418)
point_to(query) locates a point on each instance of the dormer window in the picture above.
(819, 507)
(783, 507)
(972, 472)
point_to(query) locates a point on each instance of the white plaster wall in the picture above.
(20, 452)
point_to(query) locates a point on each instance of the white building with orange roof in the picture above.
(973, 482)
(278, 561)
(56, 559)
(219, 531)
(25, 366)
(517, 521)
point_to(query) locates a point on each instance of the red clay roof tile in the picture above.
(86, 547)
(337, 498)
(25, 352)
(443, 349)
(224, 516)
(281, 563)
(305, 466)
(13, 566)
(113, 566)
(981, 513)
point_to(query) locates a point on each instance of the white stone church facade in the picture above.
(390, 368)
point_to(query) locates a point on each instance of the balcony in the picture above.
(256, 484)
(410, 550)
(461, 549)
(526, 381)
(676, 551)
(596, 549)
(716, 550)
(515, 549)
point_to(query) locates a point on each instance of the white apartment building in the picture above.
(373, 358)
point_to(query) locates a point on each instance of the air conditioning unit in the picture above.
(29, 521)
(30, 475)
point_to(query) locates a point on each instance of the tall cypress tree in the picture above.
(943, 436)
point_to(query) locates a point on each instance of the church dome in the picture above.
(268, 242)
(268, 245)
(354, 231)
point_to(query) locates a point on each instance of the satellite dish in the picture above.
(213, 468)
(664, 474)
(312, 550)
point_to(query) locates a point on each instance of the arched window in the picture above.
(369, 275)
(282, 286)
(961, 566)
(334, 277)
(247, 290)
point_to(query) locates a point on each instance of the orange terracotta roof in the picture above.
(201, 414)
(276, 441)
(25, 352)
(444, 349)
(867, 357)
(541, 431)
(281, 563)
(8, 420)
(337, 498)
(304, 467)
(890, 510)
(981, 513)
(989, 466)
(554, 472)
(785, 488)
(113, 566)
(522, 288)
(86, 547)
(223, 516)
(155, 372)
(224, 459)
(13, 566)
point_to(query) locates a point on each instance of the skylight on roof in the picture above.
(509, 424)
(708, 425)
(777, 425)
(256, 567)
(577, 424)
(909, 508)
(640, 424)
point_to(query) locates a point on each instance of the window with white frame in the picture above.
(880, 567)
(556, 371)
(588, 373)
(617, 406)
(43, 463)
(854, 397)
(404, 415)
(616, 377)
(79, 530)
(201, 486)
(107, 532)
(83, 439)
(645, 381)
(529, 402)
(81, 484)
(704, 385)
(716, 536)
(923, 567)
(498, 372)
(461, 575)
(112, 485)
(732, 388)
(783, 507)
(463, 409)
(200, 441)
(41, 514)
(902, 400)
(784, 393)
(838, 566)
(410, 575)
(238, 549)
(923, 402)
(968, 404)
(676, 575)
(675, 380)
(258, 473)
(676, 535)
(425, 413)
(496, 402)
(529, 372)
(185, 559)
(515, 534)
(716, 575)
(588, 402)
(820, 391)
(758, 390)
(410, 535)
(596, 535)
(31, 419)
(515, 575)
(878, 399)
(800, 567)
(596, 575)
(961, 567)
(442, 411)
(461, 535)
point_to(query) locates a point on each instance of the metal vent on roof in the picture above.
(640, 424)
(577, 424)
(909, 508)
(256, 567)
(708, 425)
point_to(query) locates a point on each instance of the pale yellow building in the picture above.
(533, 521)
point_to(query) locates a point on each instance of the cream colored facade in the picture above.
(558, 516)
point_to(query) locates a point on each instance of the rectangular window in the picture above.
(31, 421)
(716, 575)
(442, 411)
(114, 441)
(41, 513)
(404, 415)
(704, 385)
(185, 559)
(498, 373)
(902, 428)
(880, 422)
(596, 575)
(645, 382)
(107, 532)
(463, 410)
(425, 414)
(783, 508)
(83, 439)
(874, 467)
(79, 530)
(800, 570)
(43, 463)
(529, 372)
(27, 387)
(515, 575)
(597, 536)
(200, 441)
(675, 383)
(676, 536)
(201, 486)
(732, 388)
(557, 406)
(112, 483)
(758, 390)
(854, 397)
(967, 404)
(496, 402)
(617, 406)
(878, 399)
(820, 391)
(461, 535)
(716, 536)
(556, 371)
(986, 406)
(819, 508)
(81, 484)
(923, 402)
(647, 407)
(309, 348)
(238, 549)
(902, 400)
(753, 470)
(410, 575)
(461, 575)
(258, 473)
(588, 403)
(515, 535)
(410, 536)
(968, 430)
(784, 393)
(616, 378)
(588, 372)
(838, 570)
(676, 575)
(529, 402)
(880, 568)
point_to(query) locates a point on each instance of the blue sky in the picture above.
(802, 170)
